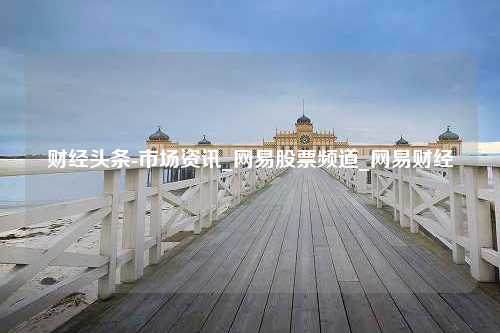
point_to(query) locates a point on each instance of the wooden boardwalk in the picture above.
(303, 255)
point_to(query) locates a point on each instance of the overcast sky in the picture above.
(93, 74)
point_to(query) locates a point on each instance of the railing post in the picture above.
(205, 204)
(404, 196)
(199, 181)
(236, 185)
(377, 189)
(479, 223)
(395, 192)
(133, 224)
(216, 192)
(456, 215)
(373, 176)
(252, 178)
(412, 195)
(155, 217)
(361, 181)
(212, 194)
(397, 174)
(109, 230)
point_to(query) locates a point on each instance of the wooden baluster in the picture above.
(412, 200)
(397, 175)
(199, 204)
(377, 179)
(374, 184)
(252, 179)
(216, 181)
(396, 199)
(155, 216)
(205, 197)
(236, 185)
(456, 216)
(133, 224)
(404, 196)
(108, 239)
(361, 181)
(212, 194)
(479, 223)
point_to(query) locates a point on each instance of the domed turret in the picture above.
(401, 141)
(303, 120)
(204, 141)
(159, 135)
(448, 135)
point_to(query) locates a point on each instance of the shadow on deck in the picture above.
(304, 255)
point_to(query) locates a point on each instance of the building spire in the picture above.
(302, 107)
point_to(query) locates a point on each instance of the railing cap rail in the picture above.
(25, 167)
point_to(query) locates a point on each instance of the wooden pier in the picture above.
(297, 251)
(304, 255)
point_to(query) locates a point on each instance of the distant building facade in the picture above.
(304, 137)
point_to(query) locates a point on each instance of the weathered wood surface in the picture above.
(304, 255)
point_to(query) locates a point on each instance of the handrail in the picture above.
(457, 205)
(163, 209)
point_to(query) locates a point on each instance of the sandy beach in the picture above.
(39, 236)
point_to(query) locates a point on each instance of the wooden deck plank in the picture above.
(250, 313)
(222, 316)
(481, 306)
(386, 312)
(305, 312)
(455, 293)
(305, 255)
(149, 295)
(359, 312)
(413, 312)
(227, 255)
(332, 313)
(341, 262)
(441, 312)
(278, 311)
(194, 317)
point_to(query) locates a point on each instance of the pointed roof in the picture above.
(401, 141)
(204, 141)
(448, 135)
(159, 135)
(303, 120)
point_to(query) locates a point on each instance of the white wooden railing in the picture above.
(150, 215)
(458, 205)
(356, 178)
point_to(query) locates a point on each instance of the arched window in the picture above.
(454, 151)
(221, 152)
(254, 152)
